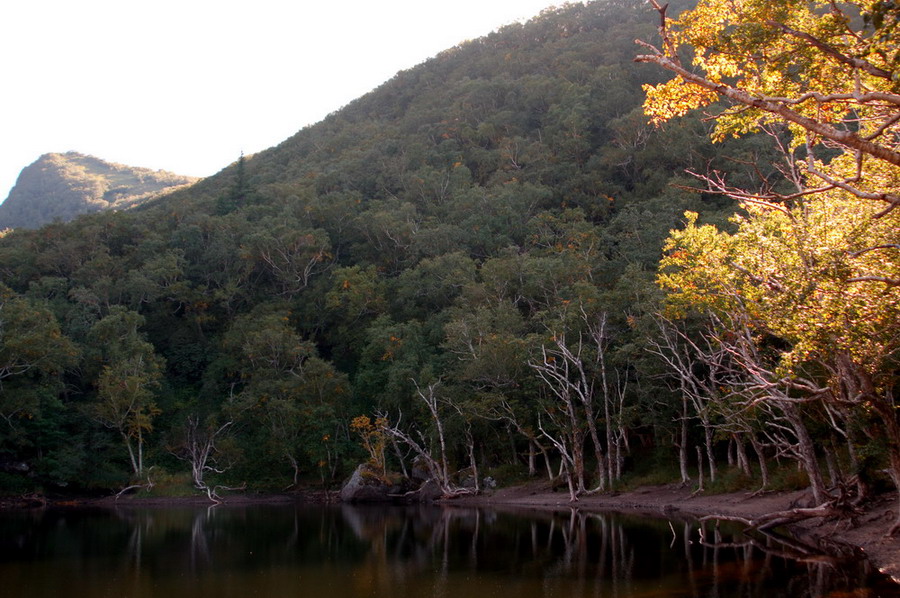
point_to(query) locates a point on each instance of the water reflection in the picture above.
(418, 551)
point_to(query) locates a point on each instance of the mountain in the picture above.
(63, 186)
(438, 232)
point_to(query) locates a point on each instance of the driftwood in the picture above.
(213, 492)
(781, 545)
(778, 518)
(148, 486)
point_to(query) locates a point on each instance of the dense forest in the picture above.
(463, 272)
(59, 187)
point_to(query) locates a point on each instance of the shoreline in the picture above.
(864, 532)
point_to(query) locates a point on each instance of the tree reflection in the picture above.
(417, 551)
(579, 553)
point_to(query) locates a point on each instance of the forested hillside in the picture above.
(458, 268)
(59, 187)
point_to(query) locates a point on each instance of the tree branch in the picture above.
(842, 58)
(766, 104)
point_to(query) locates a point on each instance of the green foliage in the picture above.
(787, 478)
(735, 480)
(440, 228)
(14, 484)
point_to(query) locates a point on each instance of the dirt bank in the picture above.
(865, 531)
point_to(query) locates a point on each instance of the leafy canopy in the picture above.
(828, 70)
(796, 276)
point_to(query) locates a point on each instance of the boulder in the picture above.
(366, 486)
(419, 472)
(429, 491)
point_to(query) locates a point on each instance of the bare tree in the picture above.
(701, 369)
(503, 410)
(198, 448)
(435, 460)
(577, 377)
(783, 397)
(613, 404)
(562, 372)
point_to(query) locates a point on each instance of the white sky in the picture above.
(186, 85)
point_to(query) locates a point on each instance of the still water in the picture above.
(343, 551)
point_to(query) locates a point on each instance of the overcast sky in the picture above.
(187, 85)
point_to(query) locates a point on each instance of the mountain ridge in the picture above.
(62, 186)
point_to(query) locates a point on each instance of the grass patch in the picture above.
(661, 477)
(731, 479)
(654, 467)
(787, 478)
(170, 485)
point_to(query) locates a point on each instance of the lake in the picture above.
(397, 552)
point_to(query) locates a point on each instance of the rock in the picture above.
(419, 471)
(429, 491)
(366, 486)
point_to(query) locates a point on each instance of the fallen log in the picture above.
(778, 518)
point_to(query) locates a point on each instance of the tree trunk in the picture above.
(578, 461)
(699, 469)
(131, 455)
(598, 449)
(532, 469)
(400, 459)
(862, 488)
(683, 443)
(760, 456)
(807, 452)
(470, 449)
(140, 446)
(741, 453)
(710, 454)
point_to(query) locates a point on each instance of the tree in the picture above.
(31, 348)
(577, 376)
(813, 66)
(239, 194)
(34, 355)
(289, 395)
(374, 439)
(820, 332)
(291, 255)
(197, 446)
(809, 278)
(435, 458)
(126, 385)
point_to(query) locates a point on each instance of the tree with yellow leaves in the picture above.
(827, 70)
(808, 282)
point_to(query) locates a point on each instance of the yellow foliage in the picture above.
(374, 439)
(814, 66)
